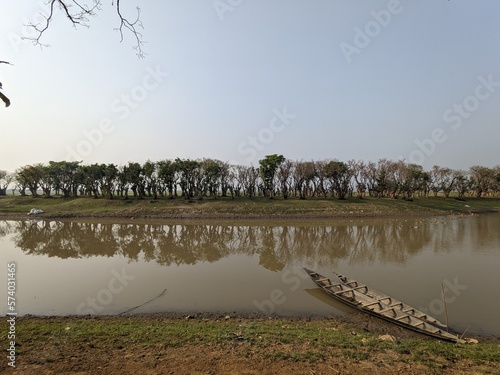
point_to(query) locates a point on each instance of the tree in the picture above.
(210, 172)
(150, 178)
(443, 179)
(226, 175)
(29, 177)
(268, 167)
(284, 174)
(369, 175)
(135, 177)
(381, 177)
(166, 174)
(48, 179)
(304, 174)
(322, 184)
(340, 177)
(5, 180)
(483, 179)
(91, 177)
(247, 179)
(463, 182)
(496, 176)
(414, 179)
(358, 168)
(67, 177)
(108, 179)
(187, 176)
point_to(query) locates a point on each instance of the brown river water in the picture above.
(104, 267)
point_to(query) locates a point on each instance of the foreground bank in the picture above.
(258, 207)
(230, 344)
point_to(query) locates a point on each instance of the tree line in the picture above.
(275, 176)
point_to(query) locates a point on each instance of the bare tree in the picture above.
(321, 177)
(247, 179)
(5, 180)
(463, 182)
(304, 173)
(358, 170)
(483, 179)
(284, 175)
(443, 179)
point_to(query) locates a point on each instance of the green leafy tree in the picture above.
(340, 177)
(108, 179)
(150, 178)
(135, 177)
(188, 171)
(92, 174)
(167, 170)
(30, 176)
(211, 176)
(268, 167)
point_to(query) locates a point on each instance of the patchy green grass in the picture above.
(295, 340)
(226, 207)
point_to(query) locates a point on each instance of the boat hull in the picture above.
(380, 305)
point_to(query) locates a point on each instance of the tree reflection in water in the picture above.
(361, 241)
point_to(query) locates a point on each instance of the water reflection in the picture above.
(362, 242)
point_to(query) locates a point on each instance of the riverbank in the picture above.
(235, 344)
(242, 208)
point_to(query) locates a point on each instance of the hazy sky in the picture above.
(240, 79)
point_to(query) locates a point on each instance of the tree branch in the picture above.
(132, 27)
(5, 99)
(79, 14)
(2, 96)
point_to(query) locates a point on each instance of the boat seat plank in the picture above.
(350, 289)
(332, 285)
(323, 279)
(376, 302)
(392, 307)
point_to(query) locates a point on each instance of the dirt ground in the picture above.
(234, 356)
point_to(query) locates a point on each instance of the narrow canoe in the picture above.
(373, 302)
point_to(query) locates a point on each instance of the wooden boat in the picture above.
(373, 302)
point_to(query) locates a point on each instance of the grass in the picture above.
(242, 207)
(285, 339)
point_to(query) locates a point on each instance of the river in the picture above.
(103, 267)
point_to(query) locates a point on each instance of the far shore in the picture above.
(225, 208)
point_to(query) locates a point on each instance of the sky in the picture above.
(237, 80)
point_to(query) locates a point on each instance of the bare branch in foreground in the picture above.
(79, 14)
